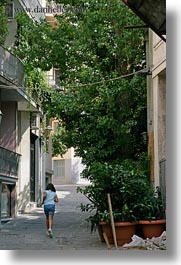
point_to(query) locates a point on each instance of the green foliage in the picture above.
(59, 148)
(151, 207)
(3, 23)
(94, 39)
(34, 43)
(104, 120)
(127, 183)
(132, 196)
(35, 78)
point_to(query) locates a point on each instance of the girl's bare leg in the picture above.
(50, 221)
(47, 222)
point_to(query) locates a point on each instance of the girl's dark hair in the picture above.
(51, 187)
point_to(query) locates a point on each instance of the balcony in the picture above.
(11, 68)
(9, 165)
(12, 83)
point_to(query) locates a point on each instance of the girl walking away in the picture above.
(49, 199)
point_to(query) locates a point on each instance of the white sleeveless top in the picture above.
(50, 197)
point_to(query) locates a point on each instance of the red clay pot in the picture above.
(124, 232)
(152, 228)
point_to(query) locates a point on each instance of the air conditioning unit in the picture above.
(34, 122)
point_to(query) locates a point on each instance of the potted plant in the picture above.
(152, 215)
(126, 182)
(125, 226)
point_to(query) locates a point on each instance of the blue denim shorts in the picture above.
(49, 209)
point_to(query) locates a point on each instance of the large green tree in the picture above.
(102, 107)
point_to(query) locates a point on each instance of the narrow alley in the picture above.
(70, 230)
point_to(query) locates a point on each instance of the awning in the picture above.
(152, 12)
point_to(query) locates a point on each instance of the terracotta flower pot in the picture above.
(152, 228)
(124, 232)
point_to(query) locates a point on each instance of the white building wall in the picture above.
(77, 168)
(68, 172)
(24, 149)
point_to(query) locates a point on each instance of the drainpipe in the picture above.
(150, 115)
(0, 202)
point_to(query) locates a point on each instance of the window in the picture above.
(59, 168)
(10, 10)
(33, 120)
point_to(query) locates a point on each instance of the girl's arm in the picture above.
(56, 198)
(44, 197)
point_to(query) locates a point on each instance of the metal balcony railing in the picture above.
(9, 163)
(11, 67)
(12, 70)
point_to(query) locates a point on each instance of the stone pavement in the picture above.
(71, 231)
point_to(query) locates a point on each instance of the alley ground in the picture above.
(71, 230)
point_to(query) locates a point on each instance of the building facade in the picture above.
(156, 102)
(19, 144)
(67, 169)
(25, 166)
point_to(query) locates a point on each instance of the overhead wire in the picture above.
(80, 85)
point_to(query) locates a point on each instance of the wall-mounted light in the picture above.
(47, 133)
(1, 115)
(144, 72)
(48, 130)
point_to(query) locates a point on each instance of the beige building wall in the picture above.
(157, 106)
(65, 177)
(159, 101)
(70, 172)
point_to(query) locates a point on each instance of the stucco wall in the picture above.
(24, 149)
(158, 103)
